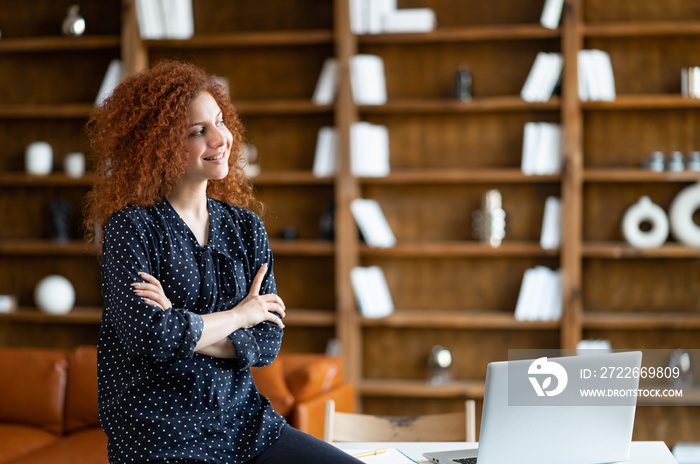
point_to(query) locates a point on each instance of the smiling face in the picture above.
(208, 141)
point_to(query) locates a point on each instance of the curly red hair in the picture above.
(138, 140)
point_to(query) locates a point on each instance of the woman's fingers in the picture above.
(257, 281)
(151, 291)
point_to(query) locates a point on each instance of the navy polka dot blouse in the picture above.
(158, 400)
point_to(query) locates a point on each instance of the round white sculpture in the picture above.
(645, 211)
(38, 158)
(55, 295)
(681, 213)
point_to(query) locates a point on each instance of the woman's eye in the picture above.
(220, 123)
(197, 133)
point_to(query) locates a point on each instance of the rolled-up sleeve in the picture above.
(145, 330)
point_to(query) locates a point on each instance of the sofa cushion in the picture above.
(311, 375)
(18, 440)
(271, 383)
(32, 387)
(81, 409)
(84, 447)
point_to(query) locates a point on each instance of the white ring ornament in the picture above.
(645, 211)
(681, 213)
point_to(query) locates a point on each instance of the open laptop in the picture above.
(532, 419)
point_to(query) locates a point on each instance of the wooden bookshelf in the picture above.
(447, 288)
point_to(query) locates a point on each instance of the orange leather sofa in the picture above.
(48, 401)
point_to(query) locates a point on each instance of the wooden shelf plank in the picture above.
(292, 177)
(457, 249)
(78, 315)
(46, 110)
(447, 176)
(457, 320)
(637, 175)
(465, 34)
(421, 388)
(297, 317)
(618, 250)
(642, 29)
(49, 180)
(640, 321)
(247, 39)
(452, 106)
(58, 43)
(39, 247)
(643, 102)
(302, 247)
(280, 107)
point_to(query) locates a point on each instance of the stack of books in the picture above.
(372, 223)
(596, 81)
(371, 291)
(551, 13)
(542, 148)
(165, 19)
(382, 16)
(543, 78)
(369, 150)
(690, 82)
(326, 157)
(540, 297)
(113, 77)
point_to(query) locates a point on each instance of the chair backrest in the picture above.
(456, 426)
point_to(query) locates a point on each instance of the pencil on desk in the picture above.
(369, 453)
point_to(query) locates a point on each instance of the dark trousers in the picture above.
(294, 446)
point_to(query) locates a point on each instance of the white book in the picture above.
(548, 158)
(531, 141)
(112, 78)
(367, 80)
(167, 13)
(529, 296)
(532, 89)
(148, 15)
(358, 16)
(369, 150)
(551, 304)
(695, 82)
(183, 27)
(377, 12)
(372, 223)
(551, 13)
(371, 291)
(327, 85)
(551, 77)
(410, 20)
(584, 87)
(550, 236)
(325, 159)
(604, 74)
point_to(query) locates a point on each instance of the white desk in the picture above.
(643, 452)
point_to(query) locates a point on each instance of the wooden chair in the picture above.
(456, 426)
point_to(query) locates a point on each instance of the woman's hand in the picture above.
(256, 308)
(151, 292)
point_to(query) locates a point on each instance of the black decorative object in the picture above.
(289, 233)
(60, 213)
(326, 227)
(463, 84)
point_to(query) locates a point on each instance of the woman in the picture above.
(190, 301)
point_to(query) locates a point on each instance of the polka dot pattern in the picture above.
(159, 401)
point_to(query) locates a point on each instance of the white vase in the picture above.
(74, 164)
(38, 158)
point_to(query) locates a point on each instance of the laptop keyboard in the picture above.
(465, 460)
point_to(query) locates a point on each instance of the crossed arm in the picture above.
(251, 311)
